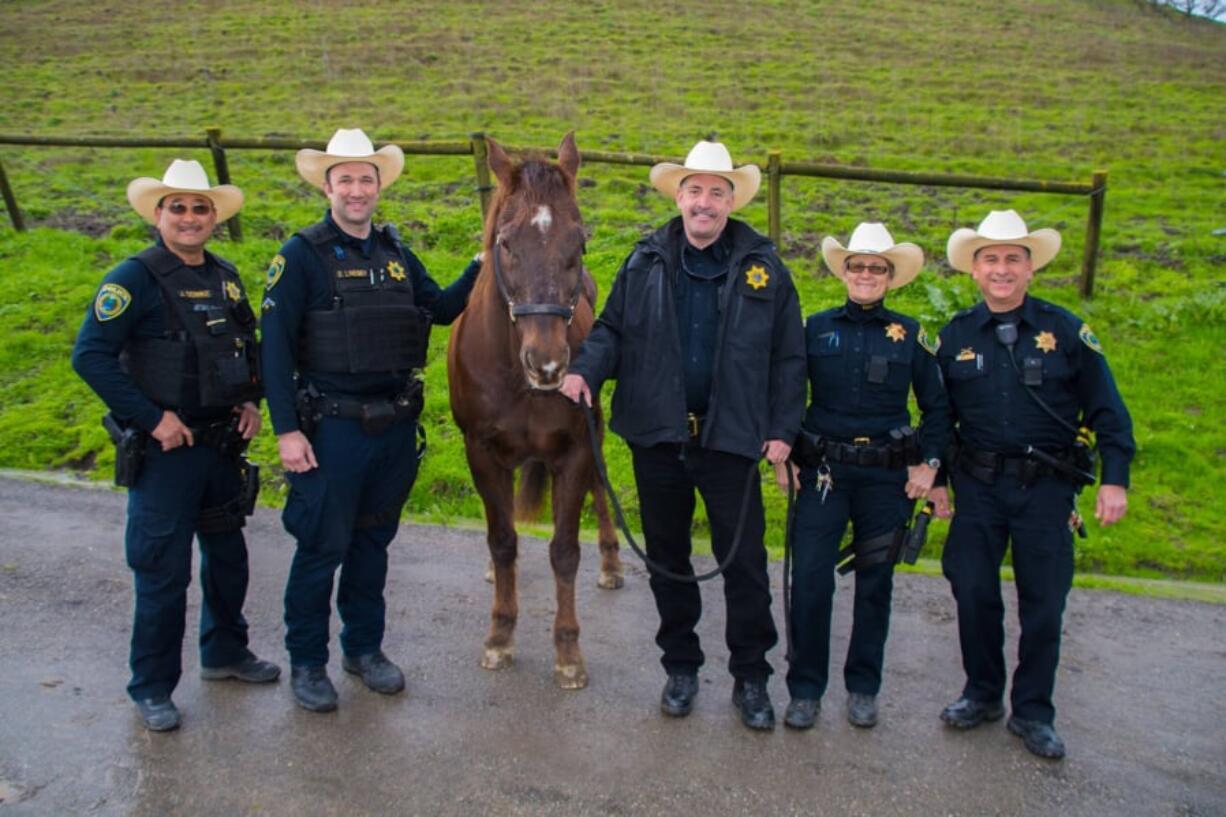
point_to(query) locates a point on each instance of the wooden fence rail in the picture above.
(775, 169)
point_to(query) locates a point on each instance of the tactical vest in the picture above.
(373, 324)
(207, 357)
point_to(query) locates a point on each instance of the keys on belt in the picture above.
(693, 423)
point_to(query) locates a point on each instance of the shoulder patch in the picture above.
(111, 302)
(1088, 338)
(274, 271)
(930, 346)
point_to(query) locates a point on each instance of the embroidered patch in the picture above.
(896, 332)
(112, 300)
(233, 292)
(1088, 338)
(929, 345)
(353, 273)
(967, 353)
(757, 277)
(196, 293)
(1045, 341)
(395, 270)
(267, 305)
(274, 271)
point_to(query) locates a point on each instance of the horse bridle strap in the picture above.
(519, 310)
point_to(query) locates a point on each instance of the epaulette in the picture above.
(962, 313)
(321, 232)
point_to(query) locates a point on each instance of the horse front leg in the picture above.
(569, 670)
(495, 485)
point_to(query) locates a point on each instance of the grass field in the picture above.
(1020, 88)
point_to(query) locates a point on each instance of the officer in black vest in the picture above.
(861, 462)
(1023, 376)
(346, 318)
(169, 345)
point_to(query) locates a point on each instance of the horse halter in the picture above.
(517, 310)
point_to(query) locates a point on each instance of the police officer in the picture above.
(346, 319)
(169, 345)
(1023, 376)
(861, 462)
(702, 331)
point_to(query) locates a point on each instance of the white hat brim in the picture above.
(907, 258)
(745, 180)
(965, 242)
(313, 164)
(145, 193)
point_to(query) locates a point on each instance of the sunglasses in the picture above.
(199, 208)
(874, 269)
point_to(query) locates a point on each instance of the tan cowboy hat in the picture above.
(1001, 227)
(872, 238)
(183, 176)
(350, 146)
(710, 158)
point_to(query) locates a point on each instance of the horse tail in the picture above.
(529, 499)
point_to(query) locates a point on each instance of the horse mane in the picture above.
(539, 181)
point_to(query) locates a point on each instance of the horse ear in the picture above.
(568, 155)
(499, 161)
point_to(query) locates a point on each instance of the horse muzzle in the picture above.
(545, 372)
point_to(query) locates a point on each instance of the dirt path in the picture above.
(1139, 693)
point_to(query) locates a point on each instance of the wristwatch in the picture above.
(933, 463)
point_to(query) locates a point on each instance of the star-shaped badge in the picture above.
(1045, 341)
(395, 270)
(756, 276)
(896, 332)
(233, 292)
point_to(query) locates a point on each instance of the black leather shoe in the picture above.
(313, 688)
(251, 669)
(377, 672)
(677, 699)
(802, 713)
(159, 714)
(965, 713)
(1040, 738)
(862, 710)
(752, 701)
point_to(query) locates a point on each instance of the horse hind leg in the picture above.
(611, 576)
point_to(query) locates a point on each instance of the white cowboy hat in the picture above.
(183, 176)
(872, 238)
(1001, 227)
(710, 158)
(350, 146)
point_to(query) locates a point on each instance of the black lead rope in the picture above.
(787, 562)
(653, 565)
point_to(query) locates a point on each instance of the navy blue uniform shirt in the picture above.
(696, 295)
(989, 400)
(128, 305)
(297, 282)
(863, 362)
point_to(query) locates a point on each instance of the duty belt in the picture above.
(985, 466)
(861, 451)
(376, 414)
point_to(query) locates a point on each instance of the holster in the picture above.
(232, 515)
(862, 553)
(130, 445)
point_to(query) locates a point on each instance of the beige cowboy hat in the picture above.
(710, 158)
(350, 146)
(1001, 227)
(183, 176)
(872, 238)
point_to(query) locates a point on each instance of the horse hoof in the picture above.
(610, 581)
(496, 658)
(572, 676)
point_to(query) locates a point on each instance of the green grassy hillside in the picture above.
(1019, 88)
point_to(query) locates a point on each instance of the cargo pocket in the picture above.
(304, 510)
(150, 532)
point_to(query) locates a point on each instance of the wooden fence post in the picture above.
(10, 201)
(1094, 227)
(774, 177)
(481, 162)
(223, 177)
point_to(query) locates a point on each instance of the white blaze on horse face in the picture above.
(543, 219)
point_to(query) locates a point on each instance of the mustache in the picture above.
(703, 211)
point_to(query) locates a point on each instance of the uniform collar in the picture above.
(365, 245)
(1028, 312)
(858, 312)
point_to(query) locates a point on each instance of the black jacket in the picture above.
(758, 391)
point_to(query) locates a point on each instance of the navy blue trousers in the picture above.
(667, 477)
(875, 502)
(163, 508)
(1035, 519)
(344, 514)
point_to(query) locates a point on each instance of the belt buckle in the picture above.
(861, 441)
(692, 422)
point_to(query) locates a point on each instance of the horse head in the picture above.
(534, 240)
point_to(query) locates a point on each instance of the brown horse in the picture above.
(529, 310)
